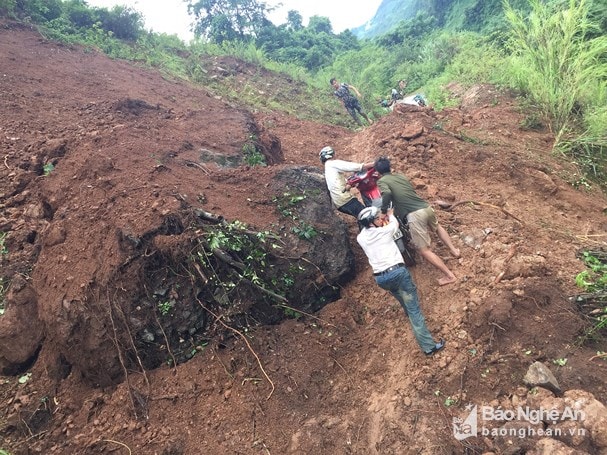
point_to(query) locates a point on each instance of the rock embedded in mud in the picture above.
(539, 375)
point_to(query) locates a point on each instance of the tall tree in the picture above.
(294, 20)
(220, 20)
(123, 21)
(320, 24)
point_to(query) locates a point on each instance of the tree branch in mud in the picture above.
(266, 291)
(216, 219)
(222, 255)
(119, 351)
(166, 340)
(218, 319)
(599, 356)
(119, 443)
(134, 347)
(306, 314)
(448, 207)
(225, 257)
(511, 254)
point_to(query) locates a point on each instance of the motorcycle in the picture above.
(414, 100)
(365, 182)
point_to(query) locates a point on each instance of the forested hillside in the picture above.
(473, 15)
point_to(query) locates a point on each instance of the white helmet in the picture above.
(367, 215)
(326, 154)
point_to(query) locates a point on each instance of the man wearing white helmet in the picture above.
(336, 181)
(377, 241)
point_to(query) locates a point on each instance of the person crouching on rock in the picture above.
(335, 171)
(377, 241)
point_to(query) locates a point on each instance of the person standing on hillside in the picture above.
(336, 181)
(377, 241)
(398, 192)
(351, 103)
(398, 94)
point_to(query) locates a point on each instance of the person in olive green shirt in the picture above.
(397, 191)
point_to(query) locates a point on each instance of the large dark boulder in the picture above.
(328, 250)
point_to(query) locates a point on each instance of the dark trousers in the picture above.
(352, 207)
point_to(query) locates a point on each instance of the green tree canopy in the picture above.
(221, 20)
(294, 20)
(123, 21)
(319, 24)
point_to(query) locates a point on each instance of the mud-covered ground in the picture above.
(130, 146)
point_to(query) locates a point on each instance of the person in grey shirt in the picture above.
(336, 181)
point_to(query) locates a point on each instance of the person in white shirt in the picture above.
(341, 197)
(377, 241)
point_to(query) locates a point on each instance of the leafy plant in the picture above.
(560, 362)
(286, 204)
(304, 230)
(165, 307)
(3, 236)
(580, 182)
(290, 312)
(600, 323)
(531, 121)
(556, 60)
(247, 253)
(594, 279)
(589, 153)
(198, 348)
(252, 156)
(48, 168)
(288, 281)
(450, 401)
(6, 7)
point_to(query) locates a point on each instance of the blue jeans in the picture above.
(401, 286)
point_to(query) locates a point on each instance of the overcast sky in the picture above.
(170, 16)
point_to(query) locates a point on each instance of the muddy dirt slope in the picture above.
(110, 175)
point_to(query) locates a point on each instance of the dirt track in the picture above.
(349, 379)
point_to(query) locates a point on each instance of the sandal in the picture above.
(440, 345)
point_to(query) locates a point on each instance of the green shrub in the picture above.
(252, 156)
(554, 61)
(7, 8)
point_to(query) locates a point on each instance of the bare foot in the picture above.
(456, 253)
(446, 280)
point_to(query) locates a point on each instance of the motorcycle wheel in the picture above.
(407, 251)
(408, 254)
